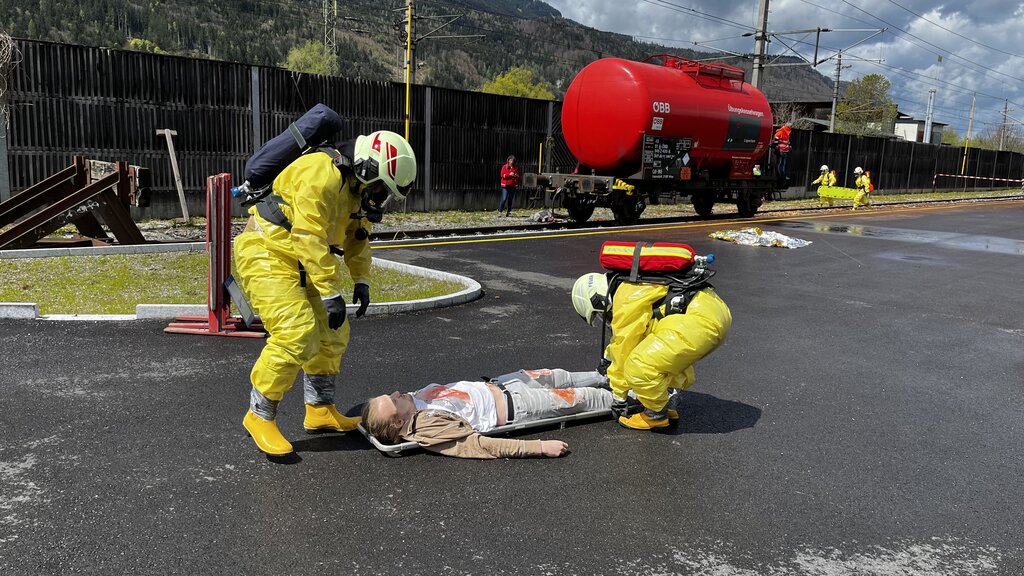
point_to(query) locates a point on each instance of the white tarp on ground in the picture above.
(756, 237)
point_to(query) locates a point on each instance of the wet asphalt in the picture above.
(865, 416)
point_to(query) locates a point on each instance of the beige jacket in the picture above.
(451, 435)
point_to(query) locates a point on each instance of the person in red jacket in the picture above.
(781, 144)
(509, 185)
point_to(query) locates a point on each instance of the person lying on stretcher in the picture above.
(451, 419)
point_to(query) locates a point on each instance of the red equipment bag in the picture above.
(646, 257)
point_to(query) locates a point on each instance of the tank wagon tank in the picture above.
(667, 125)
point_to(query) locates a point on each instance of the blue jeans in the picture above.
(508, 194)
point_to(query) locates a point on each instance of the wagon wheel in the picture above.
(703, 203)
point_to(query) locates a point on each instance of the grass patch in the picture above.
(114, 284)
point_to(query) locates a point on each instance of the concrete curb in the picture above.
(471, 292)
(20, 310)
(102, 250)
(28, 310)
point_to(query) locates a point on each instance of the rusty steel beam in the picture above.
(34, 197)
(66, 210)
(118, 219)
(89, 226)
(107, 197)
(115, 211)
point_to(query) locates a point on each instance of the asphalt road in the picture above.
(864, 417)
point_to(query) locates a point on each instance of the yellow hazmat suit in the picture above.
(650, 355)
(319, 207)
(863, 186)
(825, 179)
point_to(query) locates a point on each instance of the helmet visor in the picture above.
(368, 172)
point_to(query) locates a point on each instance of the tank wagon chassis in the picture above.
(627, 198)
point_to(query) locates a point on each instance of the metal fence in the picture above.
(898, 165)
(107, 104)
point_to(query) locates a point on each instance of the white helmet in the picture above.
(824, 167)
(387, 157)
(857, 170)
(590, 297)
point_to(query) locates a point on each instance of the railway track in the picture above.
(766, 209)
(565, 224)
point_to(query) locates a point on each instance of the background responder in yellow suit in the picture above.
(652, 348)
(863, 186)
(825, 179)
(294, 281)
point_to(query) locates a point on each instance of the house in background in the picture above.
(912, 130)
(805, 114)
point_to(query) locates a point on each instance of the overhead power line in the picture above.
(698, 14)
(943, 51)
(954, 32)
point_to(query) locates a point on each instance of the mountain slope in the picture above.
(491, 36)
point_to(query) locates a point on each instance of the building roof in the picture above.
(909, 120)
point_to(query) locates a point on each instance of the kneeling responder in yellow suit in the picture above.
(293, 280)
(658, 333)
(825, 179)
(863, 186)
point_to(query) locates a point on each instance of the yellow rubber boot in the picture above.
(641, 421)
(266, 435)
(673, 414)
(325, 417)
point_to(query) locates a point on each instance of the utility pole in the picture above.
(330, 22)
(967, 142)
(411, 41)
(928, 117)
(1002, 129)
(835, 93)
(408, 65)
(760, 43)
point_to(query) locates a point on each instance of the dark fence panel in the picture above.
(471, 136)
(107, 105)
(561, 159)
(897, 165)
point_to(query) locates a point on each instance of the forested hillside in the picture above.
(370, 37)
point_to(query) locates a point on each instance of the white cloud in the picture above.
(981, 43)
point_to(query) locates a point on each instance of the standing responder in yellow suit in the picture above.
(657, 336)
(825, 179)
(863, 186)
(293, 280)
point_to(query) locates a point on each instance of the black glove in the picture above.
(361, 294)
(335, 306)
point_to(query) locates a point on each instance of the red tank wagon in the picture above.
(665, 125)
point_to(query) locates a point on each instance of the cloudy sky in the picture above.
(981, 44)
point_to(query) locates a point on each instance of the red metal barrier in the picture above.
(219, 321)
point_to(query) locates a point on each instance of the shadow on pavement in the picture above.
(705, 414)
(332, 442)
